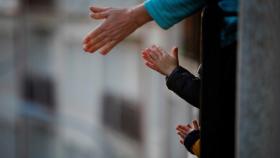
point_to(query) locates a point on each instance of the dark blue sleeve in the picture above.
(166, 13)
(185, 85)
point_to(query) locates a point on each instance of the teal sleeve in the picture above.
(166, 13)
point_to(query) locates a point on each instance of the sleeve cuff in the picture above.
(152, 7)
(178, 70)
(191, 139)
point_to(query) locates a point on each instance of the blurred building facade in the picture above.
(57, 101)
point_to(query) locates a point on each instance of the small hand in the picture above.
(158, 60)
(184, 130)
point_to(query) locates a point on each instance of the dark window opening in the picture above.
(37, 5)
(122, 115)
(38, 90)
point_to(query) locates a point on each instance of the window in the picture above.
(37, 5)
(122, 115)
(38, 90)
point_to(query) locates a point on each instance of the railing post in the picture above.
(258, 103)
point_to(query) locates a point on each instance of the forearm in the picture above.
(140, 15)
(166, 13)
(185, 85)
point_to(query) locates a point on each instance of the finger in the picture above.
(144, 54)
(96, 46)
(180, 127)
(153, 46)
(161, 50)
(154, 67)
(150, 65)
(85, 48)
(148, 58)
(182, 135)
(96, 39)
(157, 49)
(185, 130)
(195, 124)
(181, 141)
(101, 15)
(158, 52)
(174, 53)
(107, 48)
(96, 9)
(93, 33)
(152, 54)
(182, 130)
(183, 127)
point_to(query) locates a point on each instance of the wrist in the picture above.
(191, 139)
(139, 15)
(169, 71)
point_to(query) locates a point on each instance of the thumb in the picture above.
(102, 15)
(96, 9)
(174, 53)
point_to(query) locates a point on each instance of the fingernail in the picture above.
(102, 53)
(84, 48)
(91, 15)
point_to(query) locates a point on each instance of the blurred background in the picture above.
(58, 102)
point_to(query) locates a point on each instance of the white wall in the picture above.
(80, 80)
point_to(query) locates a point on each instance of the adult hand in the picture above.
(118, 24)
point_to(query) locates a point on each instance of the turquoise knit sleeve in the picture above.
(166, 13)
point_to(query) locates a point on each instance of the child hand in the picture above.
(184, 130)
(158, 60)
